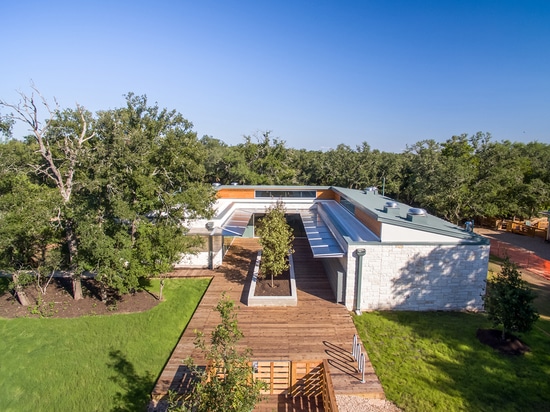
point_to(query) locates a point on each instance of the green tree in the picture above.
(276, 240)
(268, 161)
(341, 167)
(6, 124)
(63, 141)
(29, 235)
(227, 384)
(145, 182)
(509, 301)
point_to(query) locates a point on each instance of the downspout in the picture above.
(358, 279)
(210, 226)
(210, 252)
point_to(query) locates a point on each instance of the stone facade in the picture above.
(418, 277)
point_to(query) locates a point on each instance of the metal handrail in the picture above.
(358, 356)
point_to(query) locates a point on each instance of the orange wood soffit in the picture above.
(374, 225)
(236, 194)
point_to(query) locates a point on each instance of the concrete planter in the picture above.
(291, 300)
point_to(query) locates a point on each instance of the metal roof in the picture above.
(374, 204)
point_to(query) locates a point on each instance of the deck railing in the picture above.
(359, 356)
(309, 379)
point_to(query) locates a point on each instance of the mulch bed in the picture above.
(59, 303)
(511, 345)
(281, 285)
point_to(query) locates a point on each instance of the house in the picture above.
(378, 253)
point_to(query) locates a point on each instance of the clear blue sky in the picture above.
(315, 73)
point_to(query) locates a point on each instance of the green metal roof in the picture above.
(374, 205)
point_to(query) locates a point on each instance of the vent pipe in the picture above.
(416, 215)
(391, 208)
(371, 190)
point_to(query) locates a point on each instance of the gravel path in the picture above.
(358, 404)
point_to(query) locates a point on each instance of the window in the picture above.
(306, 194)
(348, 205)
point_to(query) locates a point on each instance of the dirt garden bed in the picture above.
(59, 303)
(510, 345)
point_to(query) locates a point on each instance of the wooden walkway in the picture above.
(317, 328)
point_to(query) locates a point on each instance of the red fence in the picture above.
(523, 257)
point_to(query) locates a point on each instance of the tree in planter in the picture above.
(509, 301)
(228, 383)
(276, 239)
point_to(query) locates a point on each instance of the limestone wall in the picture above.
(419, 277)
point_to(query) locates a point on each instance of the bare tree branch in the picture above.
(27, 112)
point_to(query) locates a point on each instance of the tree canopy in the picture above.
(114, 190)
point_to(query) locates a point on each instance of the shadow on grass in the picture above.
(135, 388)
(446, 363)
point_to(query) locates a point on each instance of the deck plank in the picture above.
(317, 328)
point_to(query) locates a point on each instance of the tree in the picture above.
(30, 235)
(62, 141)
(146, 181)
(227, 384)
(509, 301)
(6, 123)
(267, 162)
(276, 239)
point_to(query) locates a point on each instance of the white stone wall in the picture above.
(198, 260)
(419, 277)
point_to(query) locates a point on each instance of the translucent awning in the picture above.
(322, 242)
(345, 223)
(237, 223)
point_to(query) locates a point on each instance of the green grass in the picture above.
(432, 361)
(95, 363)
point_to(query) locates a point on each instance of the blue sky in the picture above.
(315, 73)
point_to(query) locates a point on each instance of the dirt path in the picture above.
(530, 253)
(533, 257)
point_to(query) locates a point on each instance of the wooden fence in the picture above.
(309, 379)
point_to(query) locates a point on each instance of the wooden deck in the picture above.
(318, 328)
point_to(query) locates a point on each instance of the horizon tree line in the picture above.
(111, 192)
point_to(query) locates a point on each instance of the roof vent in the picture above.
(391, 208)
(416, 214)
(214, 185)
(234, 184)
(371, 190)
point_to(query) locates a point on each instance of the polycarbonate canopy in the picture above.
(323, 244)
(345, 223)
(320, 235)
(237, 223)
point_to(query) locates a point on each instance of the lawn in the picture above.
(93, 363)
(432, 361)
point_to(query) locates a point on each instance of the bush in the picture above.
(509, 301)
